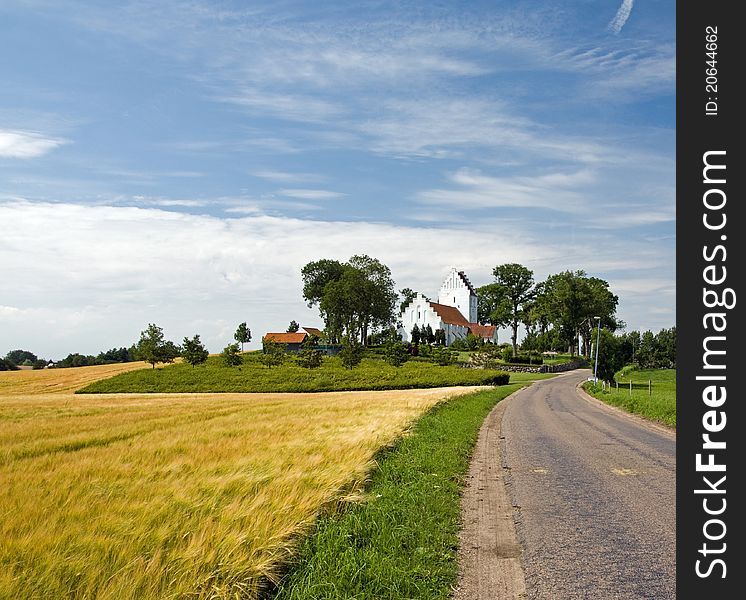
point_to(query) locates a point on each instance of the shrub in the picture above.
(443, 356)
(351, 353)
(273, 353)
(231, 355)
(309, 358)
(396, 354)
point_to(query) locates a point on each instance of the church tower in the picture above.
(458, 292)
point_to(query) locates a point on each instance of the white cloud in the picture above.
(26, 144)
(306, 194)
(96, 276)
(286, 176)
(621, 16)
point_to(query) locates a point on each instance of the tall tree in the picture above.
(153, 348)
(573, 300)
(353, 297)
(242, 335)
(193, 351)
(516, 289)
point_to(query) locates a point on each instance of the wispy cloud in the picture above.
(287, 176)
(26, 144)
(306, 194)
(621, 16)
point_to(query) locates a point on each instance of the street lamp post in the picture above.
(598, 345)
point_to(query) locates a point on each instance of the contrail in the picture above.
(621, 16)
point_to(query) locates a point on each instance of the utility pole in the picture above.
(598, 346)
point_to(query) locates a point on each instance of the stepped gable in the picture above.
(467, 283)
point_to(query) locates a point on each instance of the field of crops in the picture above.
(45, 381)
(176, 496)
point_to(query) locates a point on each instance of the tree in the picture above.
(153, 348)
(273, 353)
(428, 335)
(515, 289)
(242, 335)
(193, 351)
(18, 357)
(293, 327)
(351, 353)
(440, 337)
(231, 355)
(573, 300)
(415, 335)
(407, 294)
(7, 365)
(610, 355)
(353, 297)
(395, 354)
(489, 298)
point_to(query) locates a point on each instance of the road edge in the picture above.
(489, 555)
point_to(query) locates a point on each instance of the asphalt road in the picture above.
(593, 493)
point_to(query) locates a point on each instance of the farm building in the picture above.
(455, 312)
(292, 341)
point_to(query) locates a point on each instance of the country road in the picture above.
(593, 495)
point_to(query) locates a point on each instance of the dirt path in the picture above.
(489, 552)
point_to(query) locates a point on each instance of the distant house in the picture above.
(455, 312)
(292, 341)
(314, 331)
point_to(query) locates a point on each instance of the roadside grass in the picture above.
(253, 376)
(204, 496)
(400, 542)
(659, 405)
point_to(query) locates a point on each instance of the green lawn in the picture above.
(400, 542)
(252, 376)
(653, 393)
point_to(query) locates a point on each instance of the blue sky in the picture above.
(179, 162)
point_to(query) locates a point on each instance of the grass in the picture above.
(252, 376)
(660, 405)
(401, 541)
(205, 496)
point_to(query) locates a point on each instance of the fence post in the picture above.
(630, 387)
(650, 387)
(617, 385)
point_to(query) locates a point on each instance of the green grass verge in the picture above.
(252, 376)
(401, 541)
(658, 403)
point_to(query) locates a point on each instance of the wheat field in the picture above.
(54, 381)
(124, 496)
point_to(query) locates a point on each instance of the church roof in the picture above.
(286, 338)
(450, 314)
(483, 331)
(313, 331)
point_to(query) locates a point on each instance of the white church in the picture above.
(455, 312)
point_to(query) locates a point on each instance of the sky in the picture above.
(178, 163)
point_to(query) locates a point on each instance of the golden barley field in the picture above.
(139, 496)
(44, 381)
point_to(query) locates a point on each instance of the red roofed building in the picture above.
(293, 341)
(455, 312)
